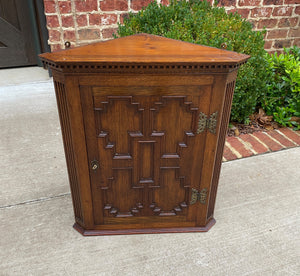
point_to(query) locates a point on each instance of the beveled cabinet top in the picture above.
(143, 49)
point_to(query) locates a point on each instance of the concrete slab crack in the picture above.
(35, 200)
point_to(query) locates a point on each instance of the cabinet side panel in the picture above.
(219, 155)
(68, 146)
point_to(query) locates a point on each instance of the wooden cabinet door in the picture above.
(144, 151)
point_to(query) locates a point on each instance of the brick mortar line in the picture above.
(268, 29)
(276, 141)
(266, 6)
(59, 22)
(277, 28)
(233, 150)
(97, 26)
(228, 8)
(85, 13)
(257, 139)
(258, 18)
(84, 27)
(247, 145)
(272, 40)
(298, 133)
(136, 11)
(73, 8)
(278, 131)
(276, 25)
(283, 38)
(82, 41)
(250, 8)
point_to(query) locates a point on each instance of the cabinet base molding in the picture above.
(86, 232)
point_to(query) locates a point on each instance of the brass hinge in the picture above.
(198, 196)
(205, 122)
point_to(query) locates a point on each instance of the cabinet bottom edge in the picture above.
(98, 232)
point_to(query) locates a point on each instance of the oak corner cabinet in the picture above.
(143, 120)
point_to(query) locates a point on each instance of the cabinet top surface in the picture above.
(145, 48)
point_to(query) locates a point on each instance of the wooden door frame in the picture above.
(39, 24)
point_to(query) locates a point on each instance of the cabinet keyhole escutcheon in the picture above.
(94, 165)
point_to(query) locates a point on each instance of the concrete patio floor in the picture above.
(257, 208)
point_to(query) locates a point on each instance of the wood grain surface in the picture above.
(145, 48)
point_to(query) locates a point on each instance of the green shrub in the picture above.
(198, 22)
(282, 99)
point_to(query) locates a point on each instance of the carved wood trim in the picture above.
(68, 146)
(218, 161)
(142, 68)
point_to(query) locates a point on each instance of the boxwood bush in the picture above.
(282, 99)
(198, 22)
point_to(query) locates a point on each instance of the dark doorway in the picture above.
(23, 33)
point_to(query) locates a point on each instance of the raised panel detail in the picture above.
(146, 161)
(170, 111)
(120, 199)
(172, 195)
(118, 119)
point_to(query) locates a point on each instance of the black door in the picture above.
(19, 36)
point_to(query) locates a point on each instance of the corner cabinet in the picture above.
(143, 120)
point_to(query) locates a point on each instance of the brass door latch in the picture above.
(198, 196)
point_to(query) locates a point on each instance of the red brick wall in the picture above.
(281, 18)
(85, 21)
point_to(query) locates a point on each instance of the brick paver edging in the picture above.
(256, 143)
